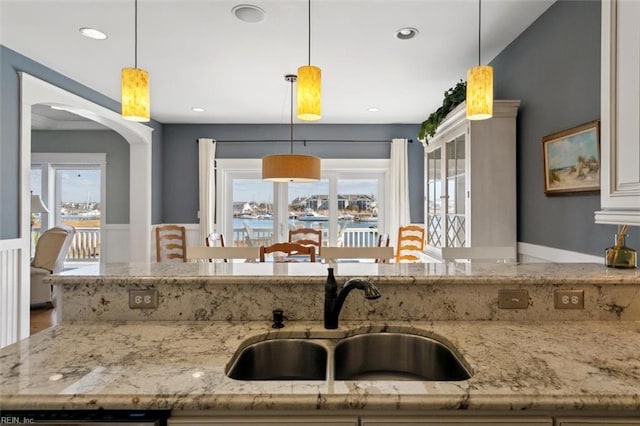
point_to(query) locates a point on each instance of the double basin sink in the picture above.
(369, 356)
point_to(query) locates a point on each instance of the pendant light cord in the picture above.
(291, 80)
(309, 27)
(479, 29)
(135, 37)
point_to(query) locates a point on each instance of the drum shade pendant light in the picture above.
(290, 167)
(480, 84)
(309, 86)
(135, 87)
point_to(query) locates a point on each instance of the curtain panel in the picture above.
(206, 187)
(399, 189)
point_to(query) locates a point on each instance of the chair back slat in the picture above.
(171, 243)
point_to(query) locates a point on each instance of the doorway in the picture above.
(72, 186)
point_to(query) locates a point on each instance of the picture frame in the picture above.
(571, 160)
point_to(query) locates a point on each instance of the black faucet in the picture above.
(333, 300)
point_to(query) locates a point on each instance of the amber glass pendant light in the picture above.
(290, 167)
(135, 87)
(309, 86)
(480, 84)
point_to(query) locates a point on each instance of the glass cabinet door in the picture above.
(446, 194)
(456, 189)
(434, 198)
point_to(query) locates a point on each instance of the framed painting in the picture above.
(572, 159)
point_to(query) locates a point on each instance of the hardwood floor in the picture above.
(42, 318)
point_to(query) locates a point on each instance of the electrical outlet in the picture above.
(513, 299)
(568, 299)
(143, 299)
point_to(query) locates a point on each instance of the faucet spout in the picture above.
(333, 300)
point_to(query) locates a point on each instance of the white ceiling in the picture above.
(198, 54)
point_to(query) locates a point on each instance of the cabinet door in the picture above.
(262, 420)
(457, 421)
(456, 189)
(446, 204)
(620, 109)
(434, 198)
(597, 421)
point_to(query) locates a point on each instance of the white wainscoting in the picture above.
(533, 253)
(10, 303)
(115, 244)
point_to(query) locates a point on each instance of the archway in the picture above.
(36, 91)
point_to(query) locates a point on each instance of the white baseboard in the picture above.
(533, 253)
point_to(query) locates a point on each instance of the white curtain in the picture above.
(207, 190)
(399, 196)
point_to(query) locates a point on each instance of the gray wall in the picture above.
(180, 151)
(11, 63)
(554, 69)
(96, 141)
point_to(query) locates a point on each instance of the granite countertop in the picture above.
(405, 273)
(590, 365)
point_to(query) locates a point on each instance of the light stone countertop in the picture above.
(180, 365)
(405, 273)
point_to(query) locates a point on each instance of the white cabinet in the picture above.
(620, 113)
(597, 421)
(253, 420)
(470, 180)
(458, 421)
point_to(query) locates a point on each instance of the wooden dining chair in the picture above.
(383, 241)
(307, 237)
(171, 243)
(289, 249)
(214, 239)
(410, 243)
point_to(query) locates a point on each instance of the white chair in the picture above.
(505, 254)
(51, 252)
(254, 240)
(377, 254)
(211, 253)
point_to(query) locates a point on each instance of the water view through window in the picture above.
(350, 216)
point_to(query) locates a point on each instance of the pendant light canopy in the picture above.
(309, 86)
(480, 84)
(135, 87)
(290, 167)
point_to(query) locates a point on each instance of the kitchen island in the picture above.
(536, 361)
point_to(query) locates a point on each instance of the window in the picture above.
(347, 203)
(73, 187)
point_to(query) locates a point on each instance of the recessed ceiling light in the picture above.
(406, 33)
(57, 107)
(197, 109)
(248, 13)
(373, 109)
(92, 33)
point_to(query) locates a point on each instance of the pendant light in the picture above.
(480, 84)
(135, 87)
(290, 167)
(309, 86)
